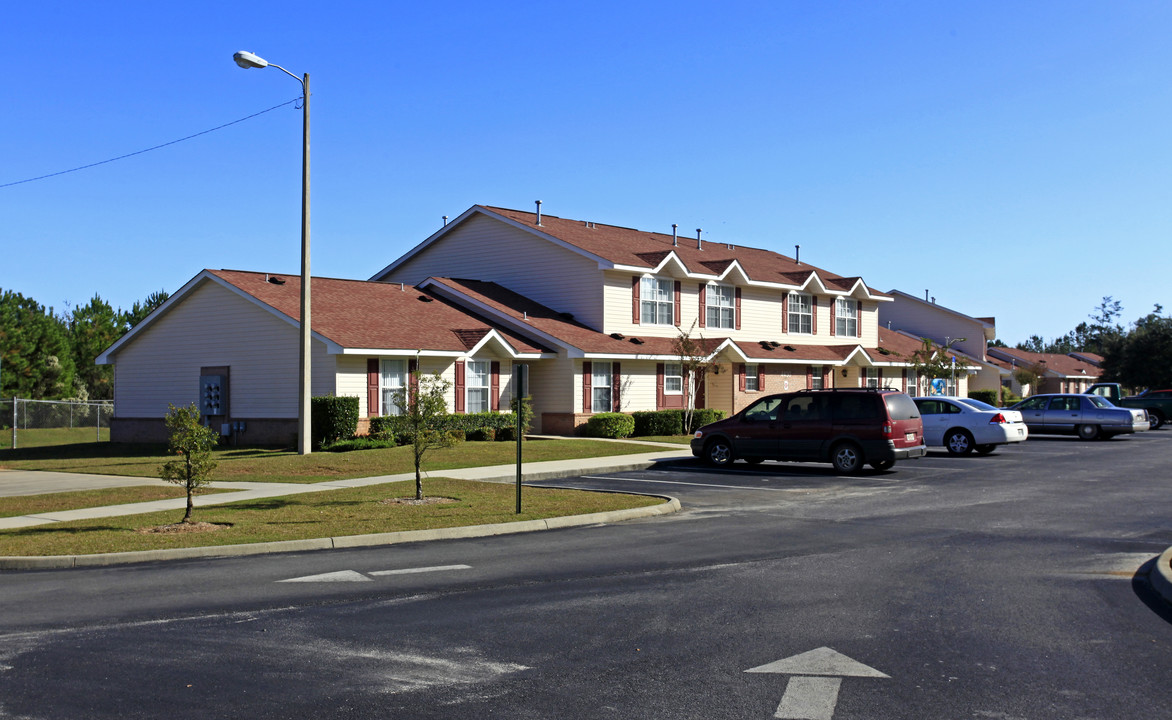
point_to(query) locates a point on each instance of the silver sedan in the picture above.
(1088, 416)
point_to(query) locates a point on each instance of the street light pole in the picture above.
(304, 440)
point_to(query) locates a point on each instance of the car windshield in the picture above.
(1100, 402)
(976, 404)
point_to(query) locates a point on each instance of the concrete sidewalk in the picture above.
(65, 482)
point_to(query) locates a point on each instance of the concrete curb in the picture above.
(1161, 576)
(52, 562)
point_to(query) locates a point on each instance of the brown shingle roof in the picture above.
(639, 248)
(373, 315)
(1054, 363)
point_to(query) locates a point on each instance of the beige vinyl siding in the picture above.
(350, 380)
(486, 249)
(637, 385)
(215, 326)
(555, 386)
(721, 388)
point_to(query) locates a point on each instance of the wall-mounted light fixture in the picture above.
(844, 372)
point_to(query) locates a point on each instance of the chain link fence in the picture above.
(37, 423)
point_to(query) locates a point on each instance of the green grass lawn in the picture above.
(43, 437)
(324, 514)
(54, 502)
(269, 465)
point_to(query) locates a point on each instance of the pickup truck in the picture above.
(1157, 403)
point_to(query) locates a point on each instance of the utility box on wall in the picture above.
(213, 395)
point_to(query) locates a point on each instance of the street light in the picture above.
(248, 60)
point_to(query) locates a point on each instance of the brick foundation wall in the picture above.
(563, 423)
(261, 431)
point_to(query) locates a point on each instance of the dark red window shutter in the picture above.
(826, 377)
(659, 372)
(587, 393)
(809, 376)
(833, 325)
(373, 406)
(703, 304)
(761, 377)
(741, 377)
(677, 304)
(737, 309)
(412, 380)
(858, 318)
(615, 387)
(494, 396)
(785, 313)
(459, 404)
(635, 299)
(814, 314)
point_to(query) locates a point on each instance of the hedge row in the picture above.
(332, 419)
(650, 422)
(474, 426)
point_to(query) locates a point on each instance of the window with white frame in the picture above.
(913, 384)
(816, 378)
(752, 378)
(476, 385)
(871, 377)
(394, 387)
(673, 379)
(657, 301)
(801, 313)
(600, 388)
(720, 304)
(846, 317)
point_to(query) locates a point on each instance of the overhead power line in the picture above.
(156, 147)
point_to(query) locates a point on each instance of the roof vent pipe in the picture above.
(445, 220)
(675, 240)
(798, 254)
(699, 242)
(925, 294)
(538, 213)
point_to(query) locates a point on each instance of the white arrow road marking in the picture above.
(814, 694)
(409, 571)
(340, 576)
(355, 576)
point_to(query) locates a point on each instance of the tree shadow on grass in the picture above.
(43, 531)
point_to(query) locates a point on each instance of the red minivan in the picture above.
(849, 428)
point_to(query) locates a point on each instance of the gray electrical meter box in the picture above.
(213, 395)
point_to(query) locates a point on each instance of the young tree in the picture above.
(193, 443)
(426, 413)
(695, 364)
(1029, 376)
(934, 361)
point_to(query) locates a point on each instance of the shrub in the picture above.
(659, 422)
(610, 425)
(704, 416)
(507, 434)
(484, 434)
(985, 396)
(333, 418)
(1008, 397)
(360, 443)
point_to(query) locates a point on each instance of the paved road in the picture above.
(999, 587)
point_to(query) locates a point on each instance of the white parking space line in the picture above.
(412, 571)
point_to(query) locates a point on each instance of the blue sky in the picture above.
(1010, 158)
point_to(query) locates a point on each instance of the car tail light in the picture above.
(887, 431)
(997, 419)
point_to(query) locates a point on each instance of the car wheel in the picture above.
(1088, 432)
(847, 458)
(883, 465)
(754, 461)
(1155, 420)
(984, 449)
(958, 442)
(718, 453)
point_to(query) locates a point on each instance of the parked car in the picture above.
(1088, 416)
(848, 428)
(962, 425)
(1157, 403)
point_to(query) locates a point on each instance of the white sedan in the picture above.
(963, 425)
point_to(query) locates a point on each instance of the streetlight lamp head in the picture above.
(248, 60)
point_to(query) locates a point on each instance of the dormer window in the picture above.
(720, 307)
(801, 313)
(846, 317)
(657, 301)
